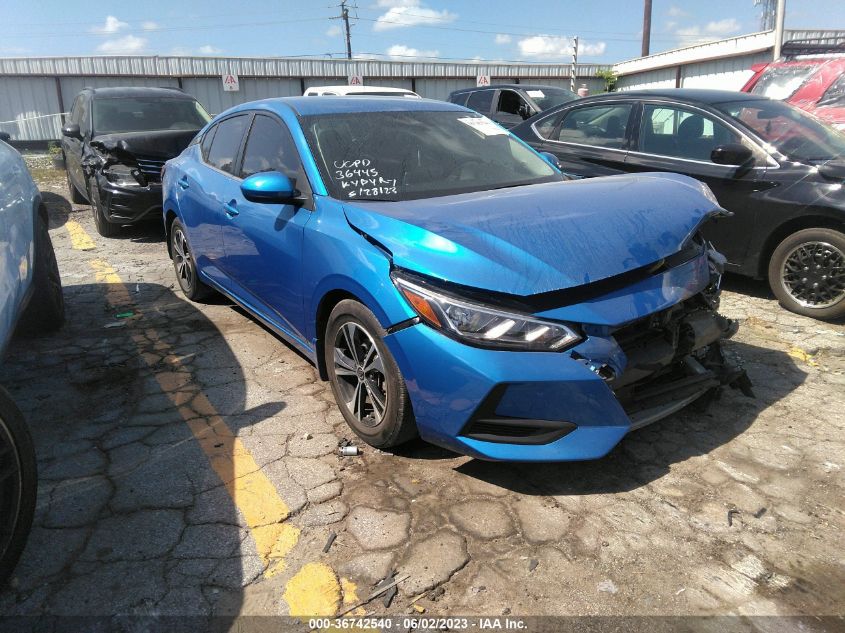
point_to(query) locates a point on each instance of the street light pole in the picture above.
(646, 27)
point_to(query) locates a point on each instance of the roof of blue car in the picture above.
(308, 106)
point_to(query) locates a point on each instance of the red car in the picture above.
(816, 85)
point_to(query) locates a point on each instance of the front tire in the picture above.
(807, 273)
(104, 227)
(46, 309)
(365, 379)
(185, 265)
(18, 485)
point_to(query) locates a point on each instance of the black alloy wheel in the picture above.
(366, 381)
(807, 273)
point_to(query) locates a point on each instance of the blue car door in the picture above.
(205, 187)
(263, 241)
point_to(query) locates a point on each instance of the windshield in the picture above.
(781, 82)
(547, 98)
(139, 114)
(397, 156)
(796, 135)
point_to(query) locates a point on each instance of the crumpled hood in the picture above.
(539, 238)
(164, 144)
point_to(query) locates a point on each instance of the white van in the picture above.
(366, 91)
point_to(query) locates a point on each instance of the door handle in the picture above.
(183, 182)
(229, 208)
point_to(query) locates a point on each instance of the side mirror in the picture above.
(551, 159)
(269, 187)
(71, 130)
(731, 154)
(5, 136)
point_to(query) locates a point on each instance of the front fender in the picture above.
(338, 259)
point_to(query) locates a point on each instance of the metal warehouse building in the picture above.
(35, 91)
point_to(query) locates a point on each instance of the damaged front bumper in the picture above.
(578, 404)
(128, 205)
(131, 195)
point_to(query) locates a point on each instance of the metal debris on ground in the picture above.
(373, 595)
(327, 546)
(387, 582)
(731, 514)
(349, 451)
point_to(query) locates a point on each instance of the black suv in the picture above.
(511, 104)
(115, 142)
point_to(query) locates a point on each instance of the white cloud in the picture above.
(727, 26)
(676, 12)
(208, 49)
(334, 31)
(553, 47)
(150, 26)
(719, 29)
(402, 13)
(111, 25)
(502, 38)
(126, 45)
(400, 51)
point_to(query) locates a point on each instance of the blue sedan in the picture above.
(449, 281)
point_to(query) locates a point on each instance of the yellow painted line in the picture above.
(802, 355)
(315, 589)
(264, 511)
(313, 592)
(80, 240)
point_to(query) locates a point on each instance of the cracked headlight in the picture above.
(482, 325)
(123, 176)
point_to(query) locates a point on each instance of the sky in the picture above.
(512, 30)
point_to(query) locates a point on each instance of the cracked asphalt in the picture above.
(188, 466)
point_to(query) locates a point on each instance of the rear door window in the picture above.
(481, 101)
(223, 153)
(206, 142)
(601, 125)
(510, 102)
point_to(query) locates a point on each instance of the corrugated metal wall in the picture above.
(24, 101)
(28, 86)
(209, 91)
(729, 73)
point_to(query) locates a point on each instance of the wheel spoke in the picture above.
(349, 337)
(376, 364)
(376, 397)
(344, 366)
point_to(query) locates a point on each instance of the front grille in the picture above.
(150, 167)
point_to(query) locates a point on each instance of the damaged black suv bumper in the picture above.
(128, 205)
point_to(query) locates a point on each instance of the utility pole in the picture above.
(780, 18)
(344, 13)
(574, 67)
(646, 27)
